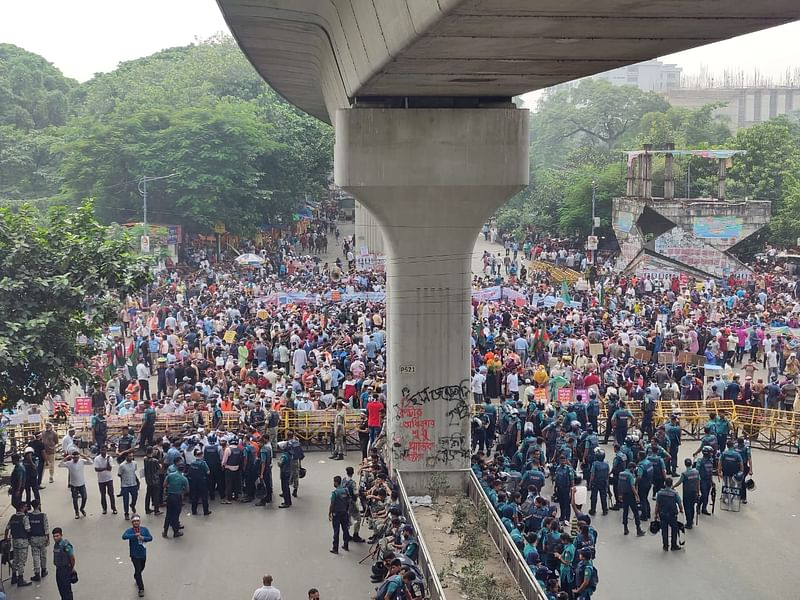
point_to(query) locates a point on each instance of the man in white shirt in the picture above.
(67, 442)
(143, 375)
(105, 479)
(76, 482)
(476, 386)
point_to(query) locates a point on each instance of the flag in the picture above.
(565, 292)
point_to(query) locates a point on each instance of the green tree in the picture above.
(773, 152)
(60, 280)
(33, 93)
(216, 150)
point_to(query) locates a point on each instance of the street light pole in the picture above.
(143, 191)
(594, 202)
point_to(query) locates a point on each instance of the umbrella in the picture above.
(249, 259)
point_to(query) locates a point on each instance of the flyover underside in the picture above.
(322, 55)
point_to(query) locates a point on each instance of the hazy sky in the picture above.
(83, 37)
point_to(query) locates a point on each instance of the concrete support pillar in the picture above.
(722, 175)
(669, 180)
(630, 179)
(647, 172)
(431, 178)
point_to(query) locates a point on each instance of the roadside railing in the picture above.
(520, 571)
(424, 560)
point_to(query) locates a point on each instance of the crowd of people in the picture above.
(214, 342)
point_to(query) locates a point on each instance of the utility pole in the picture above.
(594, 204)
(143, 191)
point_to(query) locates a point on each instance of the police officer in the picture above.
(39, 541)
(564, 482)
(175, 485)
(17, 483)
(586, 578)
(593, 411)
(126, 442)
(629, 498)
(148, 425)
(598, 481)
(621, 421)
(644, 481)
(690, 479)
(706, 468)
(730, 464)
(285, 467)
(198, 473)
(64, 560)
(19, 529)
(668, 504)
(339, 515)
(673, 431)
(611, 408)
(747, 461)
(618, 465)
(349, 484)
(265, 470)
(213, 457)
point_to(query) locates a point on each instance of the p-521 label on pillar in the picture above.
(407, 369)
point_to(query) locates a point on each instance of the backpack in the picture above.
(296, 451)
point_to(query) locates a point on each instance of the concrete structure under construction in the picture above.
(740, 107)
(669, 237)
(430, 143)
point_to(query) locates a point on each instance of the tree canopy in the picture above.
(243, 156)
(61, 277)
(33, 93)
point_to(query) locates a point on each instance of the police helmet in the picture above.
(575, 424)
(750, 484)
(655, 527)
(585, 553)
(707, 450)
(599, 454)
(739, 476)
(628, 440)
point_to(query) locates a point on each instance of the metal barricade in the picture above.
(424, 560)
(512, 557)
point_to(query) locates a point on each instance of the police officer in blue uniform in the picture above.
(198, 473)
(668, 505)
(673, 431)
(339, 515)
(629, 498)
(213, 458)
(644, 481)
(706, 468)
(747, 461)
(598, 482)
(690, 479)
(593, 411)
(618, 465)
(730, 466)
(564, 482)
(621, 421)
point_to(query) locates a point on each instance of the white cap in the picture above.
(28, 449)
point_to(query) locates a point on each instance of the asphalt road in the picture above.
(222, 556)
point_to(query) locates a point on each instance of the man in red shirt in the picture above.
(374, 413)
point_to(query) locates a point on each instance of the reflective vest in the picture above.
(600, 470)
(36, 519)
(667, 502)
(17, 526)
(60, 556)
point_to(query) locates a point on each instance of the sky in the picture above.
(84, 37)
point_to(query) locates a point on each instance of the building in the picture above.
(648, 76)
(743, 107)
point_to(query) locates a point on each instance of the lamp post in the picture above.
(143, 191)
